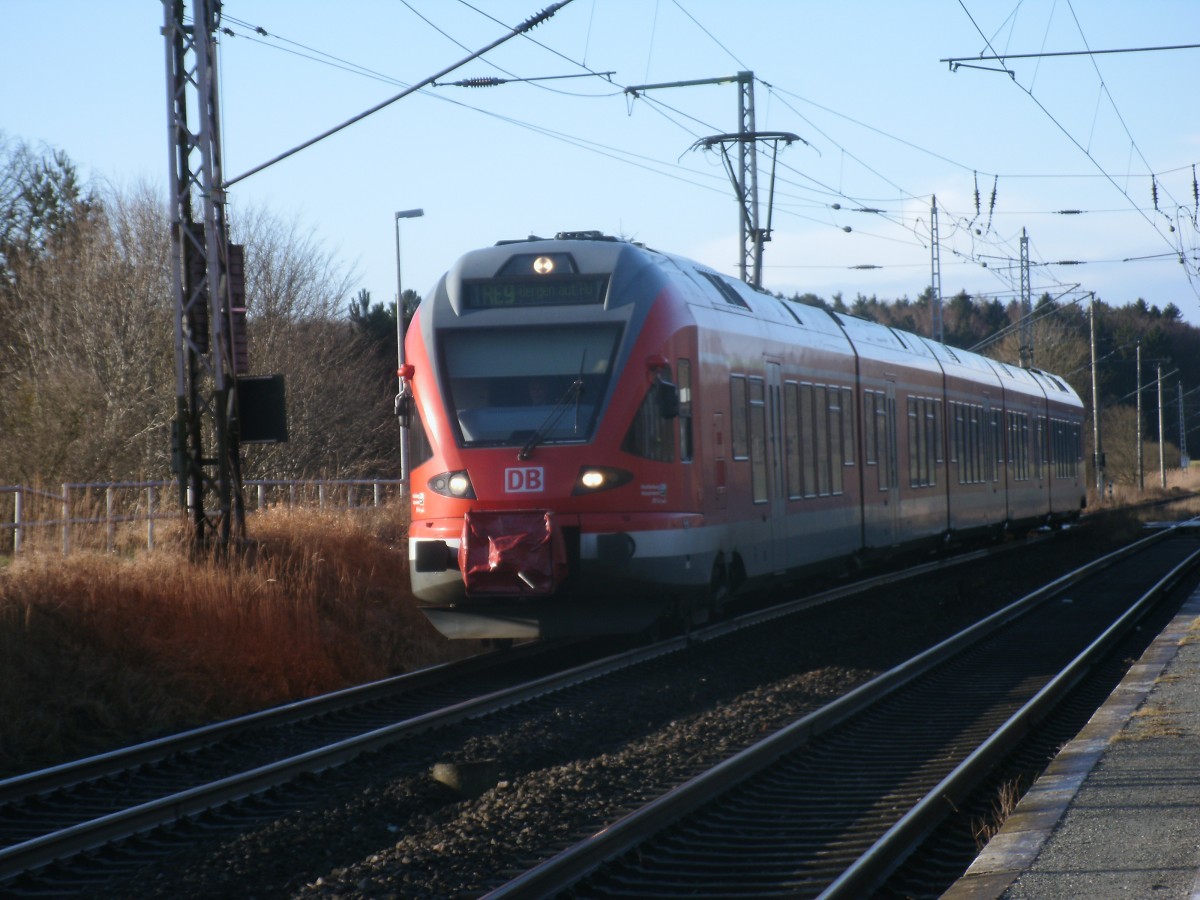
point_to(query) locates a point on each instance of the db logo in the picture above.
(527, 480)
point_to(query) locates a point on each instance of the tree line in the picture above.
(87, 359)
(87, 348)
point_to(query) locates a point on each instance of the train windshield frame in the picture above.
(504, 385)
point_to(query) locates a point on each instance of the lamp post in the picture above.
(403, 397)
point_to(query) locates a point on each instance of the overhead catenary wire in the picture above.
(797, 187)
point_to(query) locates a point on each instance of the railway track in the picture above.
(75, 826)
(53, 814)
(831, 805)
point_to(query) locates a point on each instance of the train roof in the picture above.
(628, 262)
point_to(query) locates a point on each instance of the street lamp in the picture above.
(403, 397)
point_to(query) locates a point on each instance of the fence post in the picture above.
(66, 519)
(17, 520)
(261, 504)
(375, 491)
(149, 517)
(321, 495)
(109, 528)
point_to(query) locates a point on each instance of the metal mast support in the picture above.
(1162, 436)
(1184, 460)
(1026, 306)
(210, 483)
(1141, 463)
(745, 175)
(1098, 460)
(752, 235)
(935, 298)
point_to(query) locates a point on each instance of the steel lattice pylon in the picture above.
(210, 484)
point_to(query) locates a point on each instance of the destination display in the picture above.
(541, 292)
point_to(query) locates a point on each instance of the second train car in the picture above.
(604, 436)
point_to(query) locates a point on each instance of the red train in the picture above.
(603, 435)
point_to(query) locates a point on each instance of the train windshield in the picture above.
(512, 385)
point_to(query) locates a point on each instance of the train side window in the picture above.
(933, 439)
(914, 444)
(848, 453)
(758, 438)
(996, 438)
(791, 431)
(869, 446)
(650, 435)
(420, 448)
(1018, 445)
(836, 442)
(885, 424)
(1040, 454)
(822, 438)
(683, 376)
(737, 417)
(923, 441)
(808, 434)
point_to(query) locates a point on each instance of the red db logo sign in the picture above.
(525, 480)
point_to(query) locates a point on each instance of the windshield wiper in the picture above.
(572, 395)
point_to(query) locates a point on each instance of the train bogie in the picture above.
(608, 435)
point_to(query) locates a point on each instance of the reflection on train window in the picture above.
(924, 444)
(971, 442)
(818, 438)
(420, 447)
(508, 385)
(879, 420)
(650, 436)
(1018, 446)
(1067, 451)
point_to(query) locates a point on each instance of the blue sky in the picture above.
(885, 124)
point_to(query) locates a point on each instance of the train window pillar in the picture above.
(848, 453)
(836, 440)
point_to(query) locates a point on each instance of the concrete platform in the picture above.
(1117, 813)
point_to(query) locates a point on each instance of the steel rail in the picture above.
(564, 870)
(38, 852)
(105, 765)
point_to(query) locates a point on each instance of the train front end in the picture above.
(544, 500)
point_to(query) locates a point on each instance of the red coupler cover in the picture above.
(513, 553)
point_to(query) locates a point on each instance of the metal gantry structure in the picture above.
(937, 329)
(744, 174)
(205, 448)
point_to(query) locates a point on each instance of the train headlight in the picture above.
(592, 479)
(453, 484)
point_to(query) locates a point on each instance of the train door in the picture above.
(881, 481)
(776, 488)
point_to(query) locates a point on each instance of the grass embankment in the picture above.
(98, 651)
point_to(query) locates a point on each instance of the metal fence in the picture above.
(106, 515)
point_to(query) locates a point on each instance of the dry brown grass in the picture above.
(98, 650)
